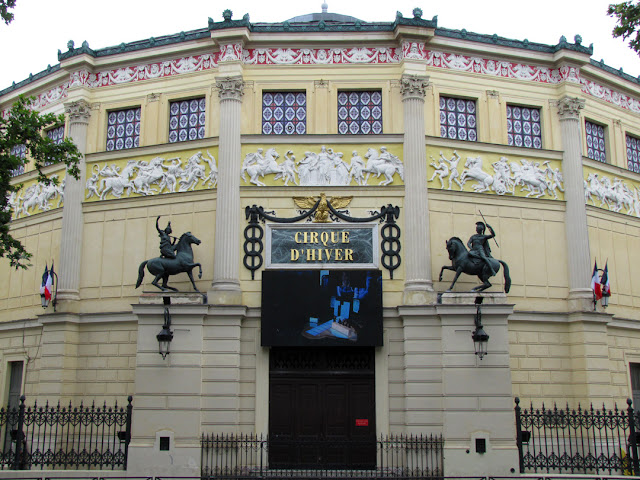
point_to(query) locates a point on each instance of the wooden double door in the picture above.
(322, 408)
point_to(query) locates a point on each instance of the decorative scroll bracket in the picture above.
(254, 233)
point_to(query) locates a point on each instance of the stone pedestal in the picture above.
(194, 391)
(477, 393)
(167, 399)
(449, 389)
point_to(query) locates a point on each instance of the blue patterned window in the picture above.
(21, 152)
(57, 136)
(360, 112)
(284, 113)
(633, 153)
(596, 148)
(523, 127)
(187, 119)
(123, 129)
(458, 119)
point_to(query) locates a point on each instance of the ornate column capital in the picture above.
(78, 111)
(569, 107)
(413, 86)
(230, 88)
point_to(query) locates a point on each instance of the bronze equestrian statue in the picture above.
(165, 265)
(477, 261)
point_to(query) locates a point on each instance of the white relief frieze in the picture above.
(614, 195)
(159, 175)
(324, 168)
(37, 197)
(527, 177)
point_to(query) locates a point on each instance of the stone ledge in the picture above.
(175, 298)
(468, 298)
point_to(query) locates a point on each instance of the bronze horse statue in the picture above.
(162, 267)
(463, 262)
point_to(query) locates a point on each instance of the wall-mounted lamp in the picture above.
(479, 336)
(166, 335)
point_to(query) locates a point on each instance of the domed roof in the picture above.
(324, 16)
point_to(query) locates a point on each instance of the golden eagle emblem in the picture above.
(322, 212)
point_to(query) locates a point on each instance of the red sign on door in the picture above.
(362, 422)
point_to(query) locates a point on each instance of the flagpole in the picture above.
(54, 276)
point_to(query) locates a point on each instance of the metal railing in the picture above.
(56, 437)
(578, 441)
(251, 456)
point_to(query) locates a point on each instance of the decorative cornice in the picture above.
(508, 42)
(78, 111)
(569, 107)
(321, 26)
(230, 88)
(413, 86)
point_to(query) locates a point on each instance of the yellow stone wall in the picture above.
(549, 354)
(20, 289)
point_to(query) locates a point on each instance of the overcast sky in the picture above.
(41, 27)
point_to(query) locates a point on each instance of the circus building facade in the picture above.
(323, 246)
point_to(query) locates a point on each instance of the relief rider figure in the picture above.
(478, 245)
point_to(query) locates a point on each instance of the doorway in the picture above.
(322, 408)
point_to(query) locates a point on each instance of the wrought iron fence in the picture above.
(578, 441)
(250, 456)
(65, 437)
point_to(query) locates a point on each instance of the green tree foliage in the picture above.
(5, 14)
(25, 126)
(628, 23)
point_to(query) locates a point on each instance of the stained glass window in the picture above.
(187, 119)
(19, 151)
(123, 129)
(458, 119)
(596, 148)
(360, 112)
(284, 113)
(523, 127)
(57, 136)
(633, 153)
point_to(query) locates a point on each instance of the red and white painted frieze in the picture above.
(337, 56)
(320, 56)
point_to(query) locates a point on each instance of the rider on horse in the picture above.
(478, 245)
(167, 246)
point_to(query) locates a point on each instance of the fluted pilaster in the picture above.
(418, 287)
(72, 222)
(578, 255)
(225, 288)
